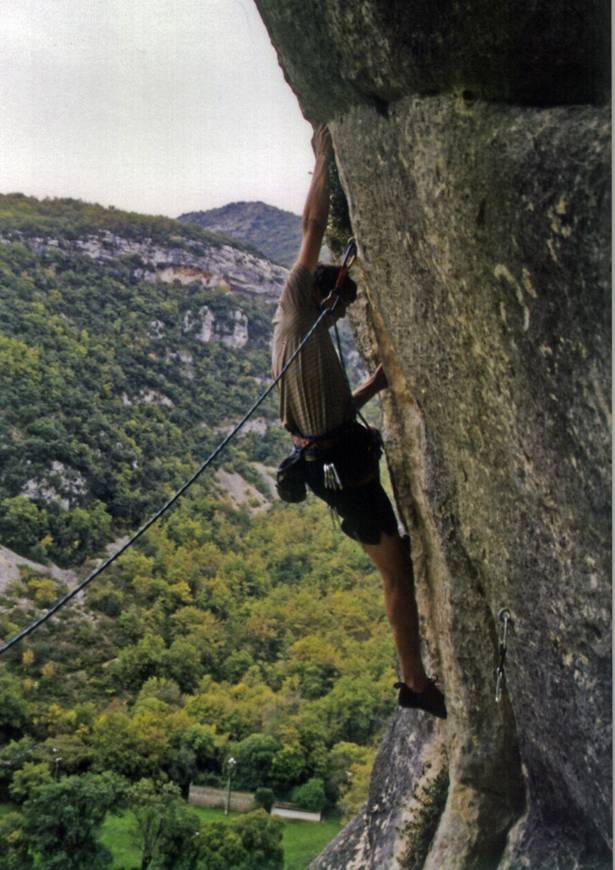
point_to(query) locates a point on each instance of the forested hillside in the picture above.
(113, 383)
(128, 346)
(262, 638)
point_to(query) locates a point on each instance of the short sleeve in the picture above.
(296, 297)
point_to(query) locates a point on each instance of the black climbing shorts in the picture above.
(365, 511)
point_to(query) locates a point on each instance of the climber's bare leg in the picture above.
(392, 559)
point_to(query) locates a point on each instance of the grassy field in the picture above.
(302, 841)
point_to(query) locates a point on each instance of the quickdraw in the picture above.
(500, 674)
(331, 477)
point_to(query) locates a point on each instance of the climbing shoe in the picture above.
(430, 699)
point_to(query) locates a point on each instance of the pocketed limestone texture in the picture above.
(472, 141)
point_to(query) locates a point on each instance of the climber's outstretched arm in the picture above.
(316, 209)
(369, 388)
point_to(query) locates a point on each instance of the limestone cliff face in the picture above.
(472, 141)
(211, 265)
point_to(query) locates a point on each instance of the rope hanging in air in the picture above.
(349, 258)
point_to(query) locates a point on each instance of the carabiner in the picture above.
(350, 254)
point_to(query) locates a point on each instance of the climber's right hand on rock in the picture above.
(321, 140)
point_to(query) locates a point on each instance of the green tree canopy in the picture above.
(14, 709)
(254, 757)
(165, 828)
(14, 848)
(311, 795)
(261, 837)
(28, 779)
(63, 820)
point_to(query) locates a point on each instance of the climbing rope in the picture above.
(349, 258)
(505, 619)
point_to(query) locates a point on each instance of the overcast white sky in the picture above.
(158, 106)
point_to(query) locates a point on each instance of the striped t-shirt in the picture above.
(314, 394)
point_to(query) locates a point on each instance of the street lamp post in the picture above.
(230, 764)
(57, 758)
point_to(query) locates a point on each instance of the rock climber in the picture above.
(339, 456)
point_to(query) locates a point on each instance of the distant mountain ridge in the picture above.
(274, 232)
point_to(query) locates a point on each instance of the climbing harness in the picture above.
(505, 619)
(349, 258)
